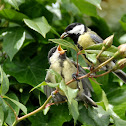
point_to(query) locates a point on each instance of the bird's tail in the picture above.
(120, 74)
(87, 100)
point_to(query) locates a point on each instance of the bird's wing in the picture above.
(85, 81)
(96, 38)
(48, 90)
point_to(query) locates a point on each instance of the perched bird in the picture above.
(84, 37)
(60, 63)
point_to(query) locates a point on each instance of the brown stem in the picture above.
(95, 76)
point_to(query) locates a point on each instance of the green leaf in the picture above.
(105, 100)
(119, 122)
(120, 110)
(95, 2)
(69, 92)
(112, 49)
(12, 15)
(58, 77)
(64, 43)
(97, 95)
(53, 84)
(21, 106)
(4, 108)
(117, 98)
(13, 3)
(4, 82)
(96, 52)
(13, 41)
(45, 111)
(85, 7)
(123, 22)
(94, 116)
(72, 104)
(91, 57)
(1, 116)
(39, 85)
(73, 108)
(40, 25)
(28, 71)
(11, 117)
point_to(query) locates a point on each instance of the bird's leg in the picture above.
(77, 62)
(74, 76)
(77, 65)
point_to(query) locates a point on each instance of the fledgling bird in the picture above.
(84, 37)
(60, 63)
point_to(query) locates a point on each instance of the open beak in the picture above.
(60, 50)
(64, 35)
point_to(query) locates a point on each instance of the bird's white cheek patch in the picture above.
(77, 29)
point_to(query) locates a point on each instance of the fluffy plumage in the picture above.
(60, 63)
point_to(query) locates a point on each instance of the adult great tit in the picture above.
(60, 63)
(84, 37)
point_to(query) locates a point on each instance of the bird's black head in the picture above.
(73, 31)
(52, 50)
(56, 53)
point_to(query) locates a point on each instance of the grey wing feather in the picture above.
(88, 100)
(56, 98)
(96, 38)
(121, 75)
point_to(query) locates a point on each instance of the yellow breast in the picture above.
(85, 40)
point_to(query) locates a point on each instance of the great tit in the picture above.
(60, 63)
(84, 37)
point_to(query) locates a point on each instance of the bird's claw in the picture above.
(74, 76)
(52, 93)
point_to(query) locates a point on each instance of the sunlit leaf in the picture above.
(96, 52)
(45, 111)
(91, 57)
(53, 84)
(95, 2)
(40, 25)
(63, 43)
(13, 41)
(13, 3)
(85, 7)
(39, 85)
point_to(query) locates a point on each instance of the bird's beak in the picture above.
(64, 35)
(60, 50)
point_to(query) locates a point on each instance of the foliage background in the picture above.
(25, 27)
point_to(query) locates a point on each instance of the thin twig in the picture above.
(35, 111)
(95, 76)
